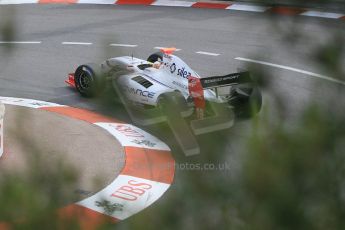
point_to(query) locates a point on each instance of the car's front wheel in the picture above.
(88, 80)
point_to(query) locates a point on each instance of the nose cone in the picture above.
(168, 51)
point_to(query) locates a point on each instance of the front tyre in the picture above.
(88, 79)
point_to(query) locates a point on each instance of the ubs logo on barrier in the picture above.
(128, 131)
(132, 191)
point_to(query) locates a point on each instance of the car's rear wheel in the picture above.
(247, 102)
(174, 100)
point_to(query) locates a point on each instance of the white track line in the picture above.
(20, 42)
(3, 2)
(123, 45)
(291, 69)
(107, 2)
(320, 14)
(77, 43)
(158, 48)
(207, 53)
(251, 8)
(173, 3)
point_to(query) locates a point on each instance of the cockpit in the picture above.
(144, 66)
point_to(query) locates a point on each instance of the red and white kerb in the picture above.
(147, 174)
(223, 5)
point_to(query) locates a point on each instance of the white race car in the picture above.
(145, 83)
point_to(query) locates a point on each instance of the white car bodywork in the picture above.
(140, 82)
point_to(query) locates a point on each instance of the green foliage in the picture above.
(294, 179)
(31, 200)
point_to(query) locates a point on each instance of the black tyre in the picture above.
(155, 57)
(247, 104)
(89, 80)
(172, 100)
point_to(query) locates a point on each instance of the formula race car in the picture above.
(147, 83)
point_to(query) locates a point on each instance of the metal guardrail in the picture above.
(2, 114)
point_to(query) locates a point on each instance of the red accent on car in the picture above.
(168, 51)
(196, 92)
(70, 80)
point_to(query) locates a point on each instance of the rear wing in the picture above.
(227, 80)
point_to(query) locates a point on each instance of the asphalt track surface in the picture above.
(38, 71)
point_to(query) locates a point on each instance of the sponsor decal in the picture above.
(142, 93)
(144, 142)
(173, 68)
(132, 191)
(128, 131)
(126, 195)
(183, 73)
(27, 102)
(180, 85)
(129, 135)
(235, 77)
(230, 79)
(167, 56)
(180, 72)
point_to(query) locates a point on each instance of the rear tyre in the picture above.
(172, 100)
(246, 106)
(88, 79)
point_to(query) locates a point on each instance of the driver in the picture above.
(156, 65)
